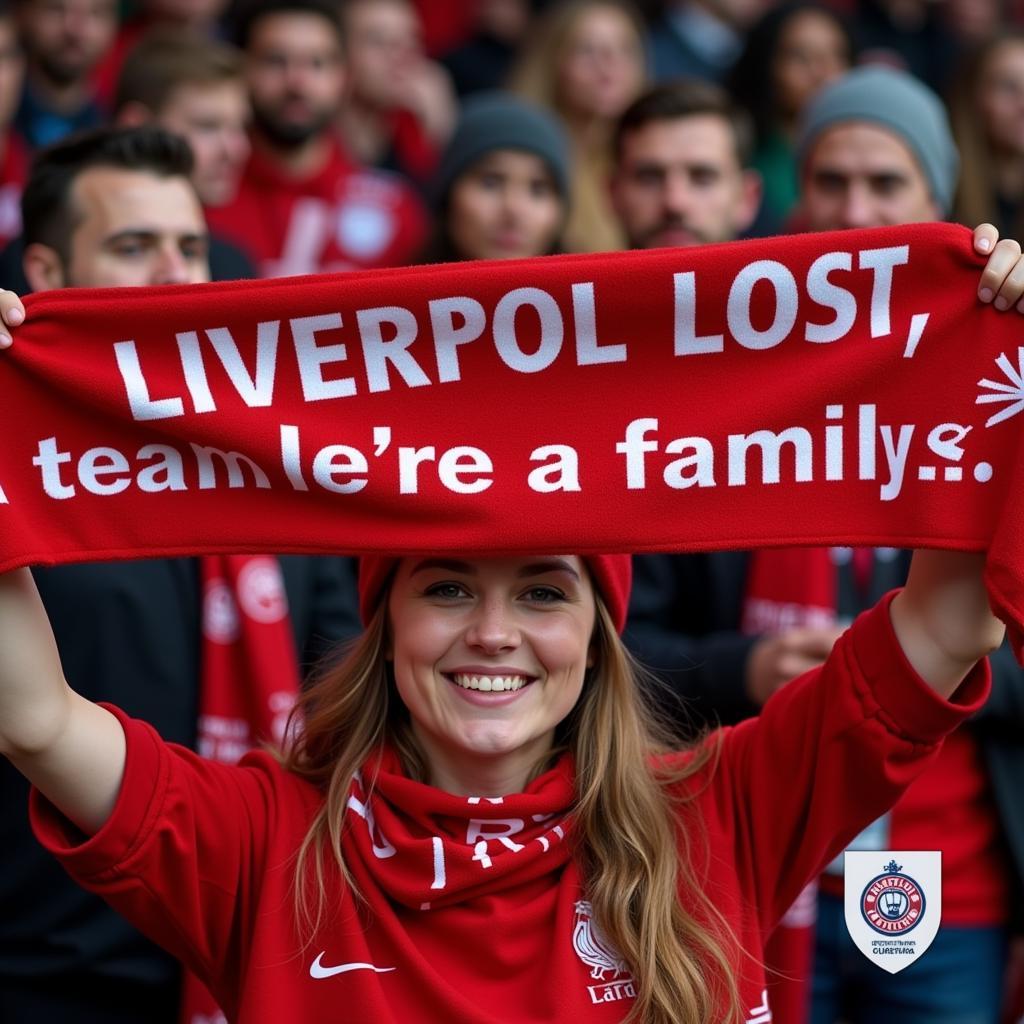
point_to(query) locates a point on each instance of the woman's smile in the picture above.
(489, 688)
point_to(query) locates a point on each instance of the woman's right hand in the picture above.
(12, 313)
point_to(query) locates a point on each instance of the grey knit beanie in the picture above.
(899, 102)
(498, 120)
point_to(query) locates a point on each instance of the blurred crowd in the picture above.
(334, 135)
(325, 135)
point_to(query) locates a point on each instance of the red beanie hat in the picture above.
(613, 576)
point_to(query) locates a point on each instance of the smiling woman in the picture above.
(489, 657)
(489, 679)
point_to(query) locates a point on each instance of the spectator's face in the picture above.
(679, 182)
(602, 67)
(212, 118)
(383, 44)
(295, 76)
(12, 68)
(65, 39)
(1001, 97)
(521, 627)
(505, 206)
(860, 175)
(811, 53)
(132, 228)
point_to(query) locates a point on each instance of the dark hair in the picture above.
(251, 11)
(46, 208)
(166, 59)
(686, 97)
(751, 80)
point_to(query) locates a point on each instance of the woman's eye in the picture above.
(490, 180)
(446, 590)
(544, 595)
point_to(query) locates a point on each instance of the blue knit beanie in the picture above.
(498, 120)
(898, 102)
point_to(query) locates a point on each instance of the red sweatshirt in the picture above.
(343, 217)
(474, 910)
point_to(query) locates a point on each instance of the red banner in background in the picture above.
(840, 388)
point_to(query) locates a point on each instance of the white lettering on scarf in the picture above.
(480, 831)
(387, 347)
(381, 847)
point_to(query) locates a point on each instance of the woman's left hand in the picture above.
(1002, 280)
(942, 617)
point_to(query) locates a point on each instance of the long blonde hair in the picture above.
(632, 836)
(535, 75)
(592, 225)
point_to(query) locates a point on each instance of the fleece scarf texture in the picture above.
(427, 849)
(839, 388)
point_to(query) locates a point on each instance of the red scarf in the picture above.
(250, 677)
(250, 680)
(788, 588)
(839, 388)
(420, 845)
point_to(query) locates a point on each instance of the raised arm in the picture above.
(942, 617)
(71, 749)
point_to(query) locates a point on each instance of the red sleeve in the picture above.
(829, 753)
(181, 855)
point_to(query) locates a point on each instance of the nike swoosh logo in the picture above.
(317, 969)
